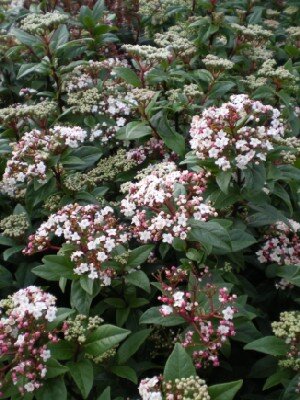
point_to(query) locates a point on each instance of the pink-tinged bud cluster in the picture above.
(31, 153)
(282, 245)
(157, 388)
(110, 97)
(236, 133)
(23, 337)
(163, 199)
(150, 388)
(94, 233)
(207, 309)
(153, 148)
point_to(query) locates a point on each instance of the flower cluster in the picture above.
(24, 338)
(157, 9)
(39, 24)
(95, 88)
(18, 115)
(282, 245)
(176, 40)
(207, 309)
(288, 328)
(254, 33)
(78, 328)
(236, 133)
(148, 56)
(279, 75)
(93, 232)
(15, 225)
(213, 62)
(156, 388)
(30, 155)
(153, 148)
(163, 199)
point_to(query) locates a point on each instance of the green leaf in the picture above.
(62, 350)
(87, 284)
(52, 389)
(138, 256)
(25, 38)
(54, 267)
(225, 391)
(104, 338)
(105, 394)
(83, 375)
(223, 179)
(61, 315)
(269, 345)
(291, 392)
(220, 88)
(240, 240)
(129, 76)
(153, 316)
(54, 368)
(125, 372)
(59, 37)
(88, 155)
(139, 279)
(41, 68)
(277, 378)
(290, 273)
(179, 365)
(80, 299)
(10, 252)
(209, 233)
(6, 278)
(122, 315)
(98, 9)
(266, 215)
(132, 344)
(171, 138)
(134, 130)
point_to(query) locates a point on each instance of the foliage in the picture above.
(149, 199)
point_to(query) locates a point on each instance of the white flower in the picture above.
(228, 313)
(101, 256)
(167, 238)
(178, 299)
(29, 387)
(166, 310)
(46, 354)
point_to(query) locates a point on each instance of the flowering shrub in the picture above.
(149, 200)
(209, 323)
(24, 316)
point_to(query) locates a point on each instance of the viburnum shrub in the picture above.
(149, 200)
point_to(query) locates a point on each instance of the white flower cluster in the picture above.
(253, 83)
(109, 96)
(149, 55)
(35, 302)
(176, 40)
(30, 155)
(94, 233)
(162, 200)
(282, 245)
(257, 53)
(252, 31)
(39, 24)
(269, 69)
(149, 389)
(214, 62)
(156, 388)
(157, 9)
(236, 133)
(24, 337)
